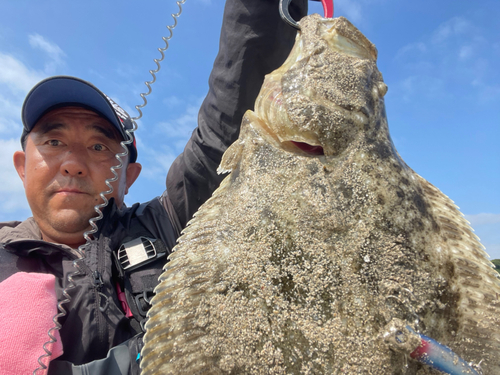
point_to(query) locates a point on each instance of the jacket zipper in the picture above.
(98, 284)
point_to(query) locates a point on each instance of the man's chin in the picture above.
(71, 221)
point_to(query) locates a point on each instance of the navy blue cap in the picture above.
(63, 91)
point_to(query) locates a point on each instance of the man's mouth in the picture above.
(70, 191)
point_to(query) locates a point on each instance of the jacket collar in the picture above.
(24, 238)
(17, 230)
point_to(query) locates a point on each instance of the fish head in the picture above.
(327, 92)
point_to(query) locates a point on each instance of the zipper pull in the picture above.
(98, 283)
(97, 279)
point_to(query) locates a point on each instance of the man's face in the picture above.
(67, 158)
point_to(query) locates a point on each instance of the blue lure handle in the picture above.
(440, 357)
(400, 337)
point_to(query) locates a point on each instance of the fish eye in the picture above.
(382, 89)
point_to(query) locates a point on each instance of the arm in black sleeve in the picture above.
(254, 41)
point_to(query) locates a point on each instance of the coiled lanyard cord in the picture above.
(98, 208)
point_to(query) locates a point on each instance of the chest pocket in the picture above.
(140, 263)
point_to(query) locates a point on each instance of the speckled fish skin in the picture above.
(299, 263)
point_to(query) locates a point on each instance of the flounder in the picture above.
(321, 238)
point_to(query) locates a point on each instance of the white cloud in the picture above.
(16, 79)
(126, 70)
(12, 196)
(454, 27)
(96, 74)
(172, 101)
(487, 228)
(493, 251)
(169, 139)
(349, 9)
(158, 164)
(16, 76)
(428, 86)
(465, 52)
(10, 179)
(456, 51)
(181, 127)
(53, 51)
(489, 93)
(410, 49)
(483, 218)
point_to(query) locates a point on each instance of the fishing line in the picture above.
(99, 207)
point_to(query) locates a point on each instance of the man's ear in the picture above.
(19, 164)
(133, 171)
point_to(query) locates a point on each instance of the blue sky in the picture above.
(440, 60)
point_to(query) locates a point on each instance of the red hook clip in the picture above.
(285, 14)
(327, 8)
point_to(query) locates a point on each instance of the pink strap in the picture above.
(123, 300)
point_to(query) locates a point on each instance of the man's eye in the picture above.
(99, 147)
(54, 142)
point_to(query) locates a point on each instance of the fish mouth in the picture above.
(309, 141)
(309, 149)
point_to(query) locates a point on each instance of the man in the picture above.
(71, 133)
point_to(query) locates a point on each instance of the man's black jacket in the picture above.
(254, 41)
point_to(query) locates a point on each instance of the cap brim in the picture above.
(60, 91)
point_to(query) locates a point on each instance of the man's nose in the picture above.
(74, 165)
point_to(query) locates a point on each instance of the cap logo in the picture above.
(119, 111)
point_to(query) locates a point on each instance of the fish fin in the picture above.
(474, 277)
(460, 237)
(186, 281)
(231, 157)
(234, 153)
